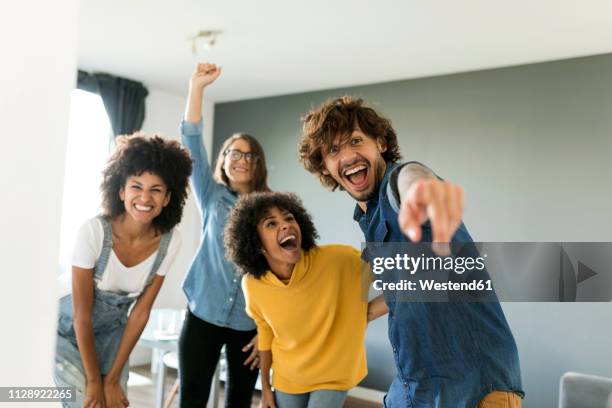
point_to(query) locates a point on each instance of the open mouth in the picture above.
(357, 176)
(289, 243)
(143, 208)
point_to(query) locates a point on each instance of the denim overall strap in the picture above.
(161, 254)
(107, 246)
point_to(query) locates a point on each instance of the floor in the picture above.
(142, 391)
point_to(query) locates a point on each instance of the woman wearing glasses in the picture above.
(216, 315)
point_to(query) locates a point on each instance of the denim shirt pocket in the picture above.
(381, 231)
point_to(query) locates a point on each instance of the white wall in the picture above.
(164, 111)
(37, 73)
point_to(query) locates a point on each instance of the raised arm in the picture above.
(191, 132)
(82, 301)
(204, 75)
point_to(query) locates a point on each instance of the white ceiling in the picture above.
(273, 47)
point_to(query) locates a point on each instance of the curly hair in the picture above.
(137, 154)
(242, 243)
(339, 117)
(260, 178)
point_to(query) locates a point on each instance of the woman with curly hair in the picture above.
(216, 316)
(309, 302)
(120, 259)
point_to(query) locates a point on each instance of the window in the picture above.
(88, 147)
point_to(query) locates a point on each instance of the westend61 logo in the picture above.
(414, 264)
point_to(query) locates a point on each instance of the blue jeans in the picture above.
(314, 399)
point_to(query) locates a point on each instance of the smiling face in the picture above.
(144, 196)
(239, 172)
(356, 164)
(281, 239)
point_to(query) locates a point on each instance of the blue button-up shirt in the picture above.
(446, 354)
(212, 284)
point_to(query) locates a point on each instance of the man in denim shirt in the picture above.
(459, 354)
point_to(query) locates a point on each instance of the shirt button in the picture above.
(230, 299)
(235, 280)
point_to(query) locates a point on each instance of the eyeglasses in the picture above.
(235, 155)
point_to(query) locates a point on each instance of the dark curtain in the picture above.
(124, 99)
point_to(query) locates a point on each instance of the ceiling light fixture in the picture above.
(204, 39)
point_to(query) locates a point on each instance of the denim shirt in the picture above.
(212, 284)
(446, 354)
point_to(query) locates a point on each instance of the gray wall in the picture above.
(531, 146)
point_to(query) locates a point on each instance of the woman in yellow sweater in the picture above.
(309, 302)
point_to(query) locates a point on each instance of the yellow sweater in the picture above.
(315, 324)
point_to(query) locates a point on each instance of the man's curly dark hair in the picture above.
(242, 243)
(138, 154)
(339, 117)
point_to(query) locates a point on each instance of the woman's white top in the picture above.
(117, 277)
